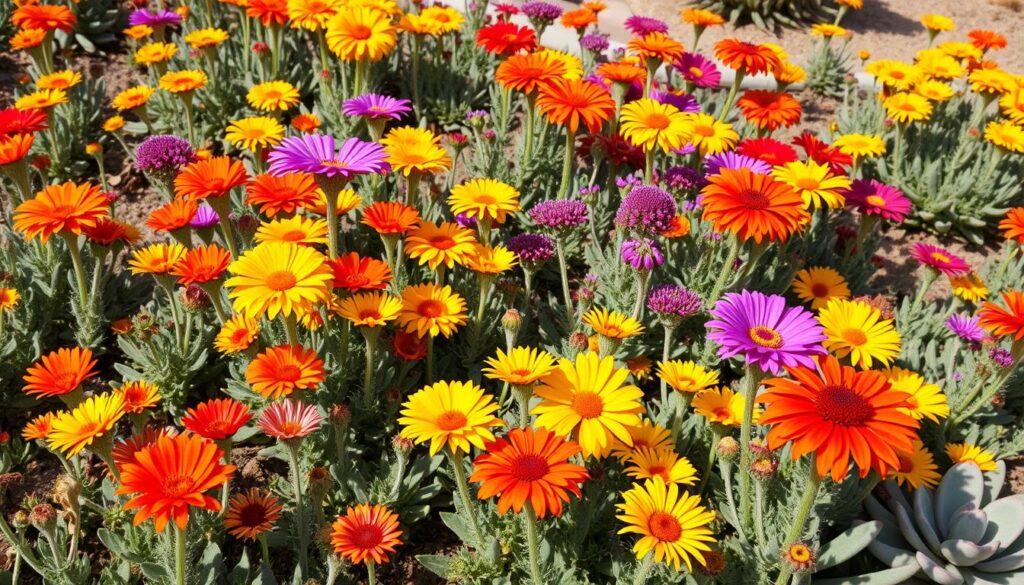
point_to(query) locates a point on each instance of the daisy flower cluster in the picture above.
(372, 272)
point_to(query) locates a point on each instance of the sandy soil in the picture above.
(889, 29)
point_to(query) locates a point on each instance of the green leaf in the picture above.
(266, 577)
(843, 547)
(211, 565)
(437, 564)
(459, 526)
(241, 574)
(154, 572)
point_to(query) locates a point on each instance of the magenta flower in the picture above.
(641, 26)
(642, 254)
(698, 70)
(765, 331)
(874, 198)
(939, 259)
(154, 19)
(532, 249)
(205, 217)
(375, 105)
(560, 216)
(646, 210)
(289, 419)
(684, 102)
(316, 154)
(673, 302)
(714, 163)
(966, 328)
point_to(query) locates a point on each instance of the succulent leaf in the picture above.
(894, 576)
(894, 556)
(937, 572)
(1006, 522)
(909, 533)
(1003, 564)
(924, 515)
(848, 543)
(962, 484)
(963, 553)
(969, 523)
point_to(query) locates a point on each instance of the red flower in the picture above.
(822, 153)
(15, 121)
(409, 346)
(217, 419)
(768, 150)
(505, 38)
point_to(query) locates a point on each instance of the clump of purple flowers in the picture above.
(466, 221)
(160, 18)
(163, 155)
(532, 249)
(673, 303)
(966, 328)
(1001, 357)
(595, 42)
(642, 254)
(560, 216)
(588, 190)
(683, 179)
(628, 183)
(641, 26)
(646, 210)
(541, 14)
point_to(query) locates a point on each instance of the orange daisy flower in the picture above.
(752, 206)
(67, 207)
(201, 265)
(284, 369)
(389, 217)
(366, 534)
(156, 258)
(448, 243)
(27, 38)
(217, 419)
(1013, 225)
(621, 72)
(138, 396)
(1004, 322)
(171, 476)
(172, 216)
(213, 177)
(285, 194)
(579, 19)
(268, 12)
(769, 110)
(124, 450)
(839, 414)
(306, 123)
(527, 73)
(570, 102)
(252, 513)
(751, 58)
(38, 429)
(529, 466)
(107, 231)
(14, 148)
(237, 334)
(45, 17)
(656, 45)
(59, 372)
(356, 273)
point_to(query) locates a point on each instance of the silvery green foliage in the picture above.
(768, 15)
(961, 532)
(954, 178)
(77, 123)
(95, 24)
(828, 66)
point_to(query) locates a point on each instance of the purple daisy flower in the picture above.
(466, 221)
(646, 210)
(163, 155)
(318, 155)
(154, 19)
(205, 217)
(641, 26)
(713, 164)
(375, 105)
(683, 179)
(673, 303)
(875, 198)
(642, 254)
(560, 216)
(629, 182)
(765, 331)
(966, 328)
(698, 70)
(685, 102)
(532, 249)
(595, 42)
(540, 11)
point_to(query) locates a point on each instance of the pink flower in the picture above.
(289, 419)
(940, 259)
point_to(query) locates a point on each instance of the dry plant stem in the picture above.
(532, 543)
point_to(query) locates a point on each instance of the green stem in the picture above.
(570, 316)
(800, 519)
(644, 570)
(666, 349)
(682, 404)
(371, 572)
(732, 94)
(430, 358)
(291, 329)
(570, 144)
(716, 436)
(467, 501)
(523, 394)
(649, 167)
(370, 335)
(532, 543)
(759, 531)
(300, 516)
(753, 382)
(76, 260)
(179, 554)
(930, 276)
(730, 500)
(332, 223)
(727, 270)
(528, 137)
(264, 548)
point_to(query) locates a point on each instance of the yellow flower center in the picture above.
(696, 72)
(875, 200)
(807, 184)
(854, 336)
(657, 120)
(664, 527)
(765, 336)
(800, 553)
(280, 280)
(588, 405)
(451, 420)
(940, 257)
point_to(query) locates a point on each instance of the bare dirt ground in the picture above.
(889, 29)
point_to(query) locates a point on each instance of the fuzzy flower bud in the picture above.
(727, 449)
(512, 320)
(44, 518)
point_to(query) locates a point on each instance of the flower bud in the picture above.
(728, 448)
(44, 518)
(579, 341)
(340, 415)
(402, 445)
(764, 468)
(194, 299)
(512, 320)
(714, 563)
(20, 519)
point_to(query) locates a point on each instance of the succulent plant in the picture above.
(768, 15)
(962, 532)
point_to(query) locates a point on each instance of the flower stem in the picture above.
(290, 329)
(371, 572)
(430, 359)
(570, 147)
(467, 501)
(179, 554)
(522, 394)
(753, 382)
(732, 94)
(300, 516)
(332, 222)
(264, 548)
(726, 466)
(532, 544)
(644, 570)
(76, 260)
(570, 317)
(370, 335)
(727, 270)
(666, 349)
(649, 167)
(800, 519)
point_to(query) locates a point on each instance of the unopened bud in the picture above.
(512, 320)
(43, 517)
(194, 299)
(402, 445)
(341, 415)
(714, 563)
(728, 448)
(579, 341)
